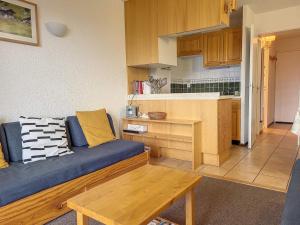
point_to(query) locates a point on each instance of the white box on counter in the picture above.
(139, 128)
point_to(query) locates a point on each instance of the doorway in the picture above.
(279, 77)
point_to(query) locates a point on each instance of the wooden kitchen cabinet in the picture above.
(141, 32)
(213, 49)
(233, 46)
(179, 16)
(223, 48)
(150, 26)
(171, 16)
(190, 45)
(144, 48)
(203, 14)
(236, 120)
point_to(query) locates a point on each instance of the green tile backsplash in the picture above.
(225, 88)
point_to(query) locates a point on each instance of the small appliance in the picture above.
(132, 111)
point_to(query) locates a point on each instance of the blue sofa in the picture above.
(291, 213)
(19, 180)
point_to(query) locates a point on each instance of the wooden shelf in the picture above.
(169, 121)
(169, 137)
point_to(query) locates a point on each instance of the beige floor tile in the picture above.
(289, 142)
(259, 157)
(285, 154)
(213, 170)
(264, 146)
(272, 182)
(270, 141)
(268, 163)
(281, 126)
(234, 159)
(253, 167)
(278, 169)
(237, 174)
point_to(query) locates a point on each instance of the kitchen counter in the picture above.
(180, 96)
(214, 112)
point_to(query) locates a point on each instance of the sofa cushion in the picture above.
(21, 180)
(4, 143)
(43, 138)
(14, 141)
(77, 136)
(95, 126)
(291, 213)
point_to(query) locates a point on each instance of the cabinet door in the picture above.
(213, 49)
(202, 14)
(141, 32)
(171, 16)
(190, 45)
(233, 46)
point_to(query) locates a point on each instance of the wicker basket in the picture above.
(157, 115)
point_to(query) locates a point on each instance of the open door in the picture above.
(254, 89)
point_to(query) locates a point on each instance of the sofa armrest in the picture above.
(291, 213)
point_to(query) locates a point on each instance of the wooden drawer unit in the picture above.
(236, 120)
(178, 139)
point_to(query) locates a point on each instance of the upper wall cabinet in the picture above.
(190, 45)
(202, 14)
(180, 16)
(141, 31)
(233, 46)
(151, 25)
(143, 46)
(214, 49)
(171, 16)
(223, 48)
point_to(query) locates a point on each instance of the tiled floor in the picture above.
(268, 164)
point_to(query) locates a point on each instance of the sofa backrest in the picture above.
(77, 137)
(10, 138)
(12, 142)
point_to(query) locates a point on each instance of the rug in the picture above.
(220, 202)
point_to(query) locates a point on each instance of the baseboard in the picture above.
(281, 122)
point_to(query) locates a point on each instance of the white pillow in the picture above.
(43, 138)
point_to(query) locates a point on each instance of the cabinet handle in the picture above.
(226, 8)
(230, 6)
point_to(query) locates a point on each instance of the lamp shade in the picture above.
(57, 29)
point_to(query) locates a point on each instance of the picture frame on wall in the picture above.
(19, 22)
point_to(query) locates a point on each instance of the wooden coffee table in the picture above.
(136, 197)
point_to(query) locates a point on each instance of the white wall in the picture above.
(287, 79)
(192, 68)
(83, 71)
(278, 20)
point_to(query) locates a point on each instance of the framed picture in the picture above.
(18, 22)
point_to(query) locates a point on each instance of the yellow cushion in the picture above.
(3, 163)
(95, 126)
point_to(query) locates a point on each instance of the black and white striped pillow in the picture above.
(43, 138)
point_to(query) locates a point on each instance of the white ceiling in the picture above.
(260, 6)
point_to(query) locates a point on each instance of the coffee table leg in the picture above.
(82, 219)
(190, 208)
